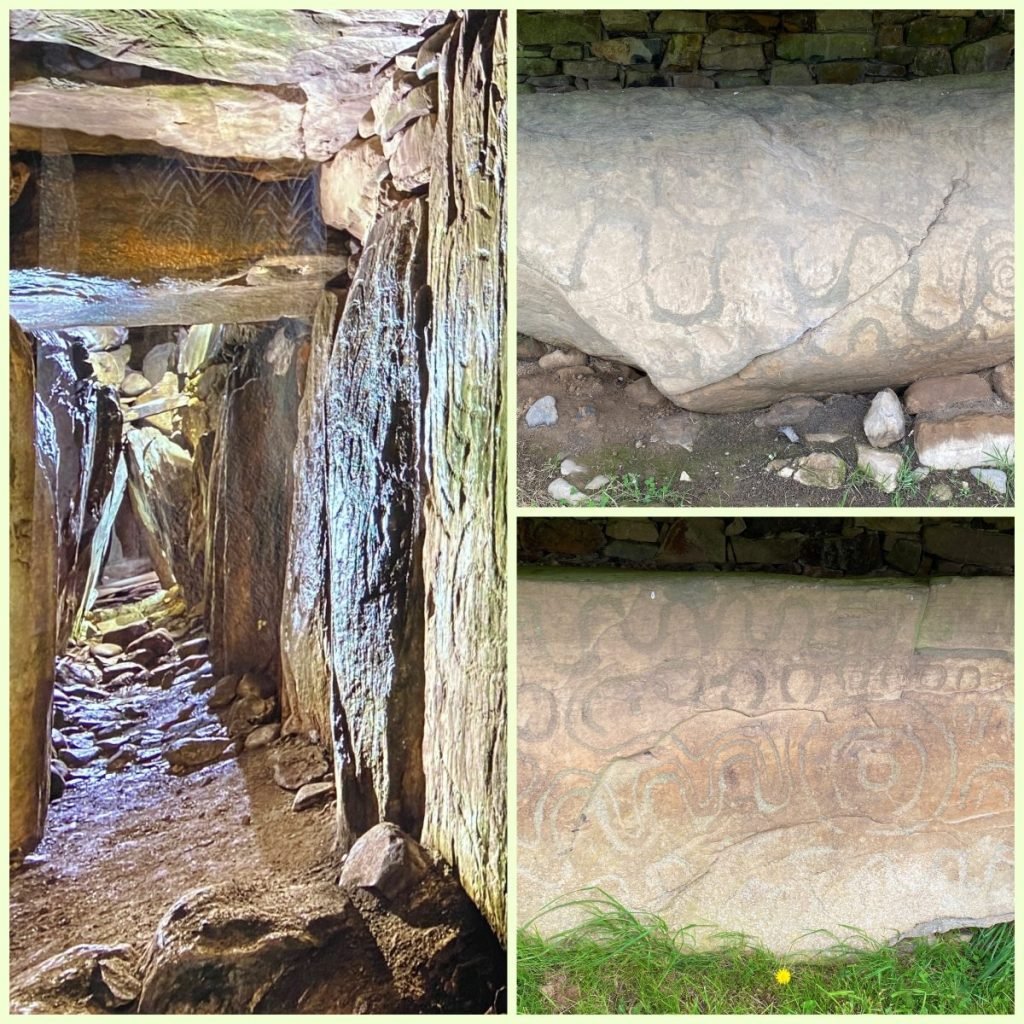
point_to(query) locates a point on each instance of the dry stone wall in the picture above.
(833, 547)
(767, 754)
(563, 51)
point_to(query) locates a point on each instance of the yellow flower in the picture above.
(782, 976)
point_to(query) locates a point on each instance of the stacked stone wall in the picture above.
(563, 51)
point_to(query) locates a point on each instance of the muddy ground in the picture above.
(601, 427)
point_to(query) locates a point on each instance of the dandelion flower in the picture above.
(782, 976)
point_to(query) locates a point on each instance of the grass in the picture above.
(1003, 460)
(619, 962)
(629, 489)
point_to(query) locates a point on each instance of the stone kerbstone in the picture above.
(843, 21)
(682, 52)
(964, 440)
(721, 293)
(957, 543)
(990, 54)
(626, 21)
(932, 60)
(598, 69)
(813, 47)
(936, 31)
(627, 50)
(938, 393)
(814, 730)
(555, 27)
(680, 21)
(632, 529)
(791, 74)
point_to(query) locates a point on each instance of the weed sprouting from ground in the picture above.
(1003, 460)
(620, 962)
(629, 489)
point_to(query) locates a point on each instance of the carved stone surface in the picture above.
(747, 246)
(464, 556)
(765, 754)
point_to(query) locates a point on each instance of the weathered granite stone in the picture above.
(884, 423)
(816, 755)
(936, 393)
(966, 439)
(882, 466)
(855, 265)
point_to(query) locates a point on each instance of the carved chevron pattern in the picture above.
(286, 211)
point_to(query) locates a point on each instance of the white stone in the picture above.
(561, 358)
(543, 412)
(994, 478)
(562, 490)
(883, 466)
(598, 482)
(884, 423)
(685, 477)
(571, 468)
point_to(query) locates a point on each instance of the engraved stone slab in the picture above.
(745, 246)
(767, 754)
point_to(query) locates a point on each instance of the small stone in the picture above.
(643, 393)
(786, 472)
(255, 684)
(198, 645)
(528, 348)
(543, 412)
(263, 736)
(1002, 381)
(685, 477)
(134, 384)
(295, 766)
(246, 713)
(820, 469)
(884, 424)
(788, 411)
(562, 490)
(597, 483)
(790, 434)
(679, 430)
(569, 468)
(883, 466)
(559, 359)
(941, 492)
(103, 650)
(994, 478)
(127, 633)
(224, 692)
(826, 438)
(124, 757)
(312, 794)
(186, 755)
(385, 860)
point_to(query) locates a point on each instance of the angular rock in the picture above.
(680, 430)
(224, 692)
(820, 469)
(936, 394)
(827, 731)
(295, 767)
(386, 861)
(160, 361)
(410, 160)
(543, 412)
(562, 357)
(627, 50)
(248, 712)
(882, 466)
(186, 755)
(157, 641)
(134, 384)
(82, 979)
(689, 541)
(1002, 381)
(349, 186)
(693, 311)
(312, 794)
(994, 478)
(263, 736)
(964, 440)
(884, 423)
(562, 490)
(957, 543)
(643, 393)
(241, 949)
(788, 412)
(109, 366)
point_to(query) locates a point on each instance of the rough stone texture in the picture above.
(324, 53)
(236, 949)
(742, 288)
(935, 393)
(465, 443)
(385, 860)
(1002, 380)
(211, 120)
(306, 668)
(32, 608)
(820, 754)
(884, 423)
(349, 186)
(83, 979)
(883, 466)
(159, 476)
(250, 496)
(273, 287)
(374, 531)
(966, 439)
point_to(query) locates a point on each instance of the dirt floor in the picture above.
(604, 429)
(122, 845)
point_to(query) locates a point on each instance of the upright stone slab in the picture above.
(32, 609)
(375, 533)
(464, 516)
(744, 246)
(767, 754)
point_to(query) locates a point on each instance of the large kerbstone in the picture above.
(742, 247)
(768, 755)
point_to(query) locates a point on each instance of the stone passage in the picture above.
(767, 755)
(744, 247)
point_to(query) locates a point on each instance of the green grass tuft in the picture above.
(620, 962)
